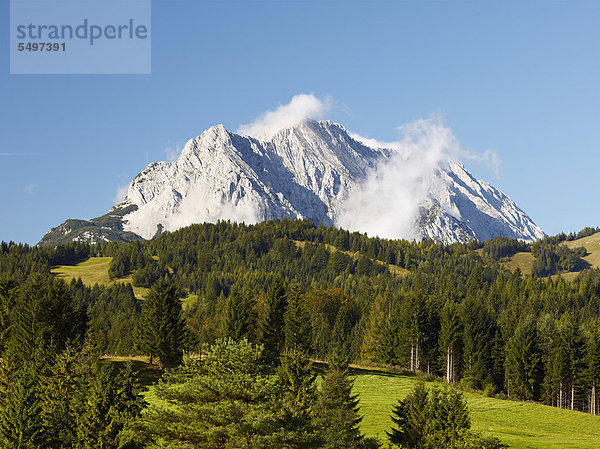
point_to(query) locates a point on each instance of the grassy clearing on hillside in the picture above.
(518, 424)
(592, 246)
(94, 271)
(393, 269)
(521, 260)
(521, 425)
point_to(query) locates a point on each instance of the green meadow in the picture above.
(518, 424)
(94, 271)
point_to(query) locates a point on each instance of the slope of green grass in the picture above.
(518, 424)
(521, 260)
(592, 246)
(94, 271)
(524, 261)
(521, 425)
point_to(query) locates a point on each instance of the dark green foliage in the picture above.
(435, 419)
(110, 401)
(7, 290)
(21, 423)
(410, 418)
(160, 326)
(232, 403)
(297, 322)
(350, 299)
(299, 395)
(239, 317)
(337, 411)
(271, 327)
(524, 361)
(551, 258)
(73, 402)
(44, 318)
(503, 247)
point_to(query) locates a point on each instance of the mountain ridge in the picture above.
(311, 170)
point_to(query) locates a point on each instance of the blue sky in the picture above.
(521, 78)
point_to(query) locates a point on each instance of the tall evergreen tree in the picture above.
(299, 396)
(161, 326)
(7, 288)
(592, 374)
(271, 326)
(524, 361)
(44, 318)
(297, 322)
(410, 418)
(337, 411)
(239, 317)
(449, 341)
(110, 401)
(21, 425)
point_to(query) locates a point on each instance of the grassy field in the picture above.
(592, 246)
(521, 260)
(524, 261)
(518, 424)
(94, 271)
(521, 425)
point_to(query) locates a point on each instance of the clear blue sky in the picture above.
(522, 78)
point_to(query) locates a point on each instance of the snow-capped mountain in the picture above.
(306, 171)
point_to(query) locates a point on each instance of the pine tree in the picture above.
(449, 341)
(233, 403)
(271, 326)
(524, 361)
(7, 287)
(592, 369)
(110, 401)
(239, 317)
(44, 318)
(297, 322)
(21, 425)
(299, 395)
(410, 418)
(337, 411)
(161, 327)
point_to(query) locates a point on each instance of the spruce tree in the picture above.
(110, 401)
(271, 326)
(592, 359)
(161, 327)
(337, 411)
(524, 361)
(21, 425)
(239, 317)
(7, 288)
(410, 418)
(44, 318)
(297, 322)
(449, 341)
(299, 395)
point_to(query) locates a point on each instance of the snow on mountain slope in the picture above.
(302, 172)
(313, 170)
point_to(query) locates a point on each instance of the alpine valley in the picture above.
(312, 171)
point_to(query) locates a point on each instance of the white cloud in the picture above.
(173, 153)
(299, 109)
(120, 194)
(29, 188)
(387, 203)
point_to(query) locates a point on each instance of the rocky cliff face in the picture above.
(307, 171)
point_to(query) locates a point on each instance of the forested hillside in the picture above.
(448, 311)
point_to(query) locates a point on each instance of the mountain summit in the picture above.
(313, 170)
